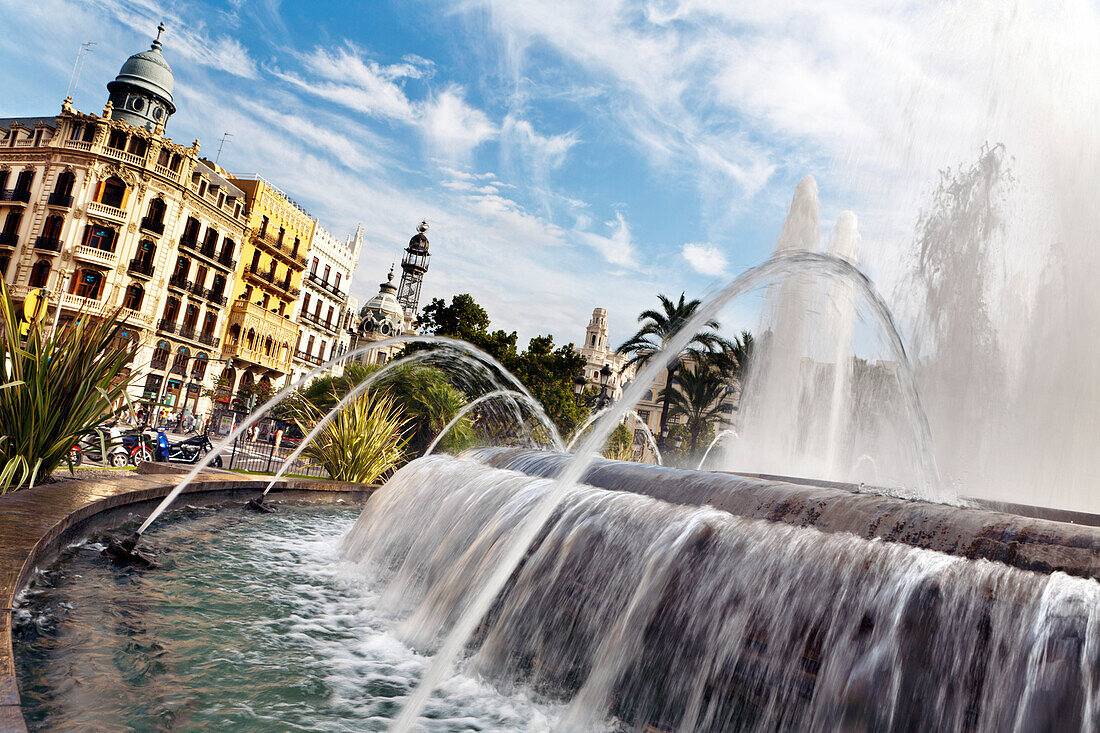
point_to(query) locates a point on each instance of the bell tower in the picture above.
(413, 266)
(596, 334)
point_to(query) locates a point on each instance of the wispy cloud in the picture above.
(617, 247)
(452, 127)
(706, 259)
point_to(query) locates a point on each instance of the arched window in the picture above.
(65, 183)
(235, 334)
(112, 192)
(40, 274)
(269, 343)
(52, 228)
(250, 339)
(155, 215)
(180, 365)
(134, 295)
(88, 284)
(198, 368)
(160, 355)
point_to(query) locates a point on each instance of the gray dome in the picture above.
(148, 71)
(382, 313)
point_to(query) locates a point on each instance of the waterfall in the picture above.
(690, 618)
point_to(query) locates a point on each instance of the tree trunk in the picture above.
(671, 372)
(694, 438)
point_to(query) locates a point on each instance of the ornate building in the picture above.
(261, 332)
(322, 308)
(380, 318)
(108, 213)
(413, 266)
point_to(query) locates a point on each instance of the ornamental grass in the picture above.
(55, 390)
(366, 440)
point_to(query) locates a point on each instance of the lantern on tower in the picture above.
(413, 266)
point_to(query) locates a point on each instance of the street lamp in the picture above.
(578, 387)
(605, 378)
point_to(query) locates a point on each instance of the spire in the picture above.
(156, 42)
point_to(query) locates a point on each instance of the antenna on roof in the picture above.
(78, 66)
(225, 135)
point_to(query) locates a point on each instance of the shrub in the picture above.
(55, 390)
(364, 441)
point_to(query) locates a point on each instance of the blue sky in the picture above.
(566, 154)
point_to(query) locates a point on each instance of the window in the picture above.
(228, 245)
(40, 274)
(294, 249)
(138, 146)
(221, 199)
(191, 230)
(269, 344)
(328, 318)
(321, 352)
(117, 140)
(183, 266)
(23, 183)
(202, 187)
(263, 227)
(160, 354)
(146, 251)
(324, 278)
(100, 237)
(250, 339)
(211, 240)
(112, 192)
(134, 295)
(88, 284)
(644, 415)
(155, 215)
(11, 224)
(305, 303)
(235, 334)
(266, 299)
(217, 287)
(200, 276)
(255, 260)
(298, 343)
(593, 339)
(317, 310)
(313, 266)
(209, 324)
(337, 281)
(171, 309)
(52, 228)
(180, 365)
(282, 233)
(198, 367)
(309, 346)
(65, 183)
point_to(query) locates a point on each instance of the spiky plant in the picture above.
(620, 446)
(55, 390)
(366, 440)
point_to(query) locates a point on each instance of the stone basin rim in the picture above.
(36, 523)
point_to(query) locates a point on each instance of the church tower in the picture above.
(141, 94)
(595, 336)
(413, 267)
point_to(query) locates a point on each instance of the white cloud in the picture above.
(618, 248)
(706, 259)
(345, 78)
(452, 127)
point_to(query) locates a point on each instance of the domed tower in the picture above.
(381, 316)
(413, 267)
(141, 94)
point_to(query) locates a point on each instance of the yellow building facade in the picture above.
(260, 331)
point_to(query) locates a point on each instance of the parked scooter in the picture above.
(190, 450)
(103, 445)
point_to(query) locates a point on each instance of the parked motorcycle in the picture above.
(189, 450)
(103, 445)
(140, 445)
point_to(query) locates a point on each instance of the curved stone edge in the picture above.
(1028, 543)
(35, 523)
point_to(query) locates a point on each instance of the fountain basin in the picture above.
(1029, 543)
(35, 524)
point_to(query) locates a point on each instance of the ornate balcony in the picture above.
(188, 332)
(180, 282)
(149, 225)
(198, 290)
(48, 244)
(15, 195)
(109, 212)
(215, 298)
(209, 339)
(62, 200)
(166, 325)
(124, 156)
(158, 363)
(8, 239)
(98, 256)
(137, 267)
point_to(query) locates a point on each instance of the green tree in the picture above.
(547, 372)
(697, 397)
(620, 446)
(658, 328)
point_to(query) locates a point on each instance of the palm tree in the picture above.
(658, 327)
(697, 395)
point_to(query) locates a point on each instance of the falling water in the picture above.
(693, 619)
(639, 423)
(729, 432)
(438, 341)
(781, 264)
(501, 394)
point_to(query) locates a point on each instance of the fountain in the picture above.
(728, 432)
(532, 405)
(651, 440)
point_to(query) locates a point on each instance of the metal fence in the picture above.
(261, 456)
